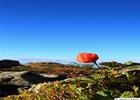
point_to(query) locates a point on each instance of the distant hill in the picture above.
(56, 60)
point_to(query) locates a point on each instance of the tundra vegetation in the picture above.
(83, 82)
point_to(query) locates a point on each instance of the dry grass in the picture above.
(51, 68)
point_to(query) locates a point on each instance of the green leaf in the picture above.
(127, 75)
(96, 76)
(100, 95)
(126, 94)
(137, 90)
(138, 93)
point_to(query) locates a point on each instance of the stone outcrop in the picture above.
(10, 81)
(24, 78)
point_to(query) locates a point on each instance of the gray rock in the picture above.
(26, 78)
(13, 78)
(11, 81)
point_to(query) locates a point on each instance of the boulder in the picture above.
(26, 78)
(23, 78)
(9, 63)
(11, 81)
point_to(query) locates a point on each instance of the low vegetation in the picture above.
(83, 83)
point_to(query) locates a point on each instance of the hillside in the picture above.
(71, 82)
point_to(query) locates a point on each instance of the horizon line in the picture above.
(66, 60)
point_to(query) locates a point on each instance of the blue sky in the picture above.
(63, 28)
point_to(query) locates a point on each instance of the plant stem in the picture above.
(102, 72)
(97, 65)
